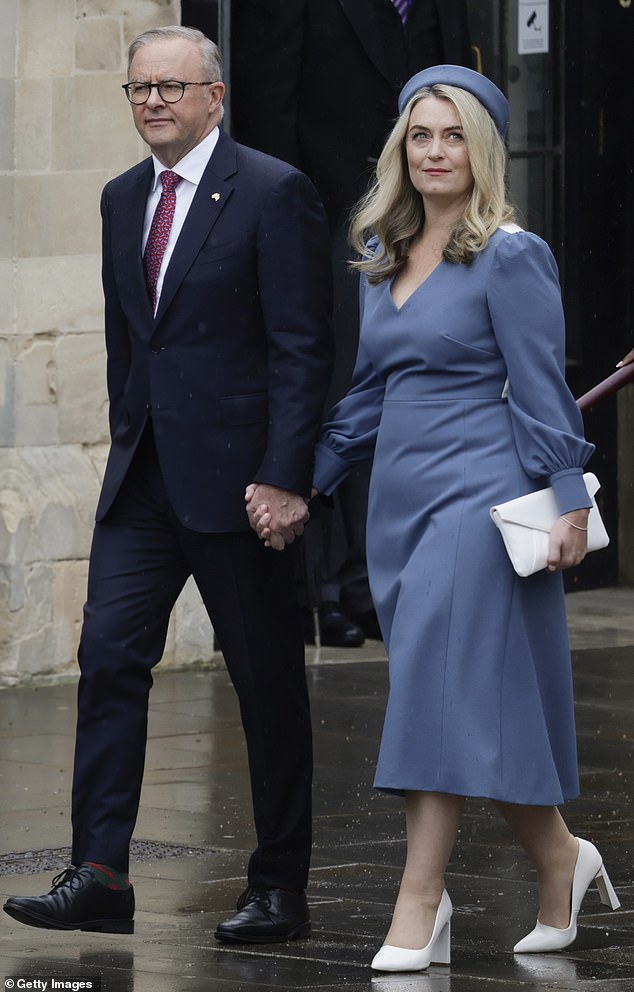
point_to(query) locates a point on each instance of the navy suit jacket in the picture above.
(234, 367)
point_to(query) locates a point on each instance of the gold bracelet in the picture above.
(570, 523)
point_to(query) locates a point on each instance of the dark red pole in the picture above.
(606, 387)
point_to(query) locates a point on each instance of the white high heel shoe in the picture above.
(589, 867)
(438, 950)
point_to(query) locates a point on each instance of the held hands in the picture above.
(568, 541)
(276, 515)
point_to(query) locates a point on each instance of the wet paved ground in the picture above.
(194, 835)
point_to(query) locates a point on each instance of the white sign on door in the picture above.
(532, 26)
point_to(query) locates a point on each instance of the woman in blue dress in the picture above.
(459, 394)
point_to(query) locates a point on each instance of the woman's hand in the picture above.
(568, 540)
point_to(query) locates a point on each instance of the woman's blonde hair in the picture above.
(393, 209)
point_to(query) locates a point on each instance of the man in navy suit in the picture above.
(216, 379)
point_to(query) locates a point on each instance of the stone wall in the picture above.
(66, 131)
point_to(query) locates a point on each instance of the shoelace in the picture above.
(67, 877)
(254, 895)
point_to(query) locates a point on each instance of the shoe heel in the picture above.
(441, 951)
(606, 890)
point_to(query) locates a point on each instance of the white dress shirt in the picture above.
(190, 169)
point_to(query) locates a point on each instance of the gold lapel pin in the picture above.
(215, 196)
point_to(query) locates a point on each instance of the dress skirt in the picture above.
(480, 700)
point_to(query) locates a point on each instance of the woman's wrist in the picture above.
(577, 519)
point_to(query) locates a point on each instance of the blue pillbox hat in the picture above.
(487, 93)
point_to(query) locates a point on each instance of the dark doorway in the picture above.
(202, 14)
(571, 177)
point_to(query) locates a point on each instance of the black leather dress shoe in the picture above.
(336, 629)
(265, 916)
(369, 624)
(76, 902)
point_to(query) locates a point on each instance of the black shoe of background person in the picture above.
(336, 629)
(266, 916)
(76, 902)
(369, 624)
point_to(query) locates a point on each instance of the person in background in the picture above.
(217, 284)
(315, 83)
(459, 393)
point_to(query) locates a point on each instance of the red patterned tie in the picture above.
(159, 231)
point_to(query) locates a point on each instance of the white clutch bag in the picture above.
(525, 525)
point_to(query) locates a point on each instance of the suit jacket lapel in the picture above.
(362, 17)
(129, 221)
(209, 200)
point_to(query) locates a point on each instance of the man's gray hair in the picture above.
(211, 56)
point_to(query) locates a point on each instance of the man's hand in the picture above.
(276, 515)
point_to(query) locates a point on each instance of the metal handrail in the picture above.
(605, 388)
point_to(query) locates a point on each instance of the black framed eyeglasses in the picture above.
(169, 90)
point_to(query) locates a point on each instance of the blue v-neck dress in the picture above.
(480, 700)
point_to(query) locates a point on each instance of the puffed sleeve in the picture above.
(524, 299)
(349, 434)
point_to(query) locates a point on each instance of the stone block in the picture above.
(6, 379)
(45, 641)
(48, 497)
(46, 38)
(151, 9)
(97, 455)
(92, 125)
(8, 38)
(7, 116)
(68, 298)
(146, 14)
(98, 44)
(40, 601)
(69, 581)
(7, 212)
(7, 295)
(59, 214)
(82, 395)
(35, 640)
(35, 393)
(33, 114)
(36, 372)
